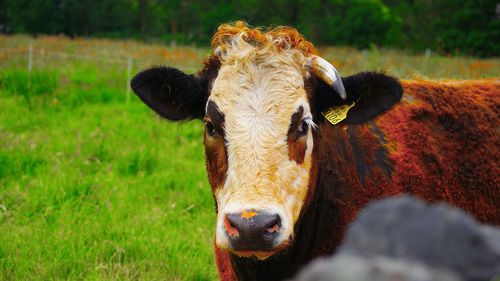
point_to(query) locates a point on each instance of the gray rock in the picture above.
(347, 267)
(405, 237)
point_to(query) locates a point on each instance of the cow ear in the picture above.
(373, 94)
(171, 93)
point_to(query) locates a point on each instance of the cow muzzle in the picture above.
(253, 231)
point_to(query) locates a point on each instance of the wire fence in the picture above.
(30, 57)
(127, 57)
(30, 53)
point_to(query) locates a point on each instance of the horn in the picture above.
(325, 71)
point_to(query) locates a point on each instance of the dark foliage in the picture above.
(448, 26)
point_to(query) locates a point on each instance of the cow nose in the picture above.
(252, 230)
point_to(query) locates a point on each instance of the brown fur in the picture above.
(297, 144)
(258, 37)
(216, 156)
(297, 149)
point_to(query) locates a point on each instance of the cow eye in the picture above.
(210, 128)
(304, 127)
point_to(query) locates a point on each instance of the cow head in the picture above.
(260, 95)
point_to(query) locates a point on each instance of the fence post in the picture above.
(129, 76)
(30, 58)
(30, 64)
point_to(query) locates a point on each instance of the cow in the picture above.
(294, 150)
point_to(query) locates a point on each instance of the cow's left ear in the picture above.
(171, 93)
(373, 93)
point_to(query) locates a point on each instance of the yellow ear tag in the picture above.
(337, 113)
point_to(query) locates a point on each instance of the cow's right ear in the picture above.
(171, 93)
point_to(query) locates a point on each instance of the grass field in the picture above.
(93, 187)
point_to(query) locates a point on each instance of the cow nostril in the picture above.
(231, 228)
(273, 229)
(274, 224)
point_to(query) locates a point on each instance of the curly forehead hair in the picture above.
(275, 39)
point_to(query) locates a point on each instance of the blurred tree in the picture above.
(470, 27)
(449, 26)
(3, 16)
(142, 16)
(358, 23)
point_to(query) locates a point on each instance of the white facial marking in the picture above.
(259, 90)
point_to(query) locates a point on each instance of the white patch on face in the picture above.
(258, 94)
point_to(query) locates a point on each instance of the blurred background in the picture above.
(94, 186)
(469, 27)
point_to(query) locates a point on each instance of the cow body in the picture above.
(440, 143)
(286, 181)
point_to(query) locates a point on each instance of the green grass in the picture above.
(96, 188)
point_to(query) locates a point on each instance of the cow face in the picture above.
(259, 124)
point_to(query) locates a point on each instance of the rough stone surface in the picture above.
(347, 267)
(405, 239)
